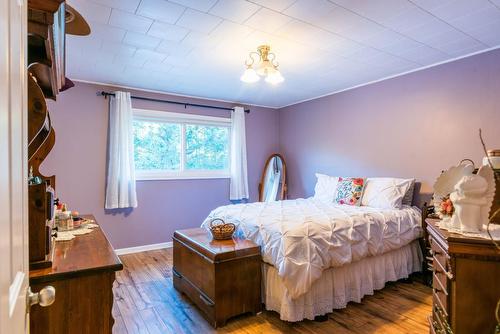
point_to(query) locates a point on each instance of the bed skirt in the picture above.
(338, 286)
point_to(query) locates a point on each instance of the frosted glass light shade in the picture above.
(249, 76)
(275, 78)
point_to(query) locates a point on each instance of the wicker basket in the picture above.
(221, 230)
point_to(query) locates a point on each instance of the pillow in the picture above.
(349, 190)
(408, 198)
(325, 187)
(385, 192)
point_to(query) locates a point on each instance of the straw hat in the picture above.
(75, 23)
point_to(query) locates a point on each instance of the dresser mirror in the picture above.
(273, 185)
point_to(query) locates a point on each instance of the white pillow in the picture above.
(385, 192)
(325, 187)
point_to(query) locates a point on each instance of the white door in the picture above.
(13, 168)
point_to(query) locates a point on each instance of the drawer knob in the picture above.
(45, 297)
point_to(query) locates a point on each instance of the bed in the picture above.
(319, 256)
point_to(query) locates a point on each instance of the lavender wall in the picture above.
(78, 160)
(411, 126)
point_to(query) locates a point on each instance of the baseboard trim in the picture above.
(137, 249)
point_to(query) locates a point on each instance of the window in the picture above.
(180, 146)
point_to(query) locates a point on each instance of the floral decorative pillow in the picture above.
(349, 190)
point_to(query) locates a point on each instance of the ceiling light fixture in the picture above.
(266, 66)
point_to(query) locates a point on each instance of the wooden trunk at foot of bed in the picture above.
(222, 277)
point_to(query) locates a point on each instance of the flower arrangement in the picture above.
(446, 208)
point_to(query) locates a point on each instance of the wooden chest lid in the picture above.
(200, 240)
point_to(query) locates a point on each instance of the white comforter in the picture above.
(303, 237)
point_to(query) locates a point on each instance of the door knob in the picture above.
(45, 297)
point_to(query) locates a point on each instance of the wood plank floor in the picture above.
(146, 302)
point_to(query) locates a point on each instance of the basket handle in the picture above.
(216, 219)
(231, 224)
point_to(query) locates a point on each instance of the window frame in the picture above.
(182, 119)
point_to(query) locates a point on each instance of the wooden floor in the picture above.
(146, 302)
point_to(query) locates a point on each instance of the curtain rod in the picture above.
(185, 104)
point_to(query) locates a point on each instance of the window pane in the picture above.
(157, 145)
(207, 147)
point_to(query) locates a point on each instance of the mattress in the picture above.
(338, 286)
(303, 237)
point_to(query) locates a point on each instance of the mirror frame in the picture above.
(284, 186)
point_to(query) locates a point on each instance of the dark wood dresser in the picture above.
(82, 273)
(222, 277)
(466, 286)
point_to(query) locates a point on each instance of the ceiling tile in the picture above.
(487, 34)
(176, 61)
(141, 40)
(423, 55)
(430, 4)
(234, 10)
(448, 10)
(375, 10)
(127, 5)
(161, 10)
(198, 21)
(157, 67)
(443, 39)
(485, 16)
(298, 31)
(129, 21)
(168, 31)
(340, 20)
(342, 46)
(83, 43)
(277, 5)
(201, 5)
(229, 31)
(150, 55)
(381, 38)
(124, 60)
(173, 48)
(408, 19)
(369, 33)
(92, 11)
(460, 46)
(401, 45)
(429, 29)
(107, 32)
(267, 20)
(118, 49)
(199, 40)
(310, 10)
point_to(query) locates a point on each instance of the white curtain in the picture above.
(238, 189)
(120, 186)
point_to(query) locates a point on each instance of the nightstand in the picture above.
(465, 287)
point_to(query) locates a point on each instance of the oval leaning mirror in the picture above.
(273, 185)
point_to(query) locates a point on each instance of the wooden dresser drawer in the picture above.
(439, 254)
(204, 303)
(440, 298)
(440, 280)
(198, 270)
